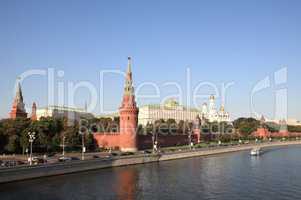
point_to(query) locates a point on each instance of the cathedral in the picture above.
(212, 114)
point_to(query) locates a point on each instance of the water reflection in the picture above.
(274, 175)
(127, 182)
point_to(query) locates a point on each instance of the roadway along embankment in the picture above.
(30, 172)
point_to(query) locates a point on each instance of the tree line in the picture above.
(49, 134)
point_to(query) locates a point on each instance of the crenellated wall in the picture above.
(146, 141)
(112, 140)
(108, 140)
(264, 133)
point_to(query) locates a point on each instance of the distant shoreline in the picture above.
(32, 172)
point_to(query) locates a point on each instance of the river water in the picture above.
(276, 174)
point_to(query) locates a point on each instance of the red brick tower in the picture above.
(34, 112)
(18, 108)
(283, 128)
(197, 128)
(262, 131)
(128, 113)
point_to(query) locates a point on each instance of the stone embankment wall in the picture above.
(30, 172)
(23, 173)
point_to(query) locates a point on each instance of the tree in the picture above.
(90, 142)
(10, 133)
(246, 126)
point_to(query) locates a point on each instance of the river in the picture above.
(276, 174)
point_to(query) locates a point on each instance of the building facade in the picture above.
(72, 114)
(172, 110)
(169, 110)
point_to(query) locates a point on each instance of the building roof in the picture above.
(180, 107)
(63, 108)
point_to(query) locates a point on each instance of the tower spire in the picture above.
(128, 112)
(129, 69)
(19, 95)
(18, 108)
(128, 88)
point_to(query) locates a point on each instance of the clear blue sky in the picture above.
(220, 41)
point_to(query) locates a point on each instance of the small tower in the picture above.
(283, 128)
(128, 112)
(262, 131)
(212, 112)
(18, 108)
(197, 128)
(34, 112)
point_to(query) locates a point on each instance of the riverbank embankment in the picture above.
(30, 172)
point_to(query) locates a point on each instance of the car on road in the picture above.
(11, 163)
(95, 156)
(114, 154)
(67, 159)
(75, 158)
(64, 159)
(37, 160)
(127, 154)
(50, 154)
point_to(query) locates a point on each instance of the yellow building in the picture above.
(169, 110)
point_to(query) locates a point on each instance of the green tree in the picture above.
(246, 126)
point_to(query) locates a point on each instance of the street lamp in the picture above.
(64, 137)
(190, 139)
(83, 145)
(31, 139)
(155, 142)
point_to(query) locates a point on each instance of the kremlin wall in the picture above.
(128, 140)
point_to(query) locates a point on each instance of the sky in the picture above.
(188, 46)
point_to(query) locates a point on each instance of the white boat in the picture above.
(255, 152)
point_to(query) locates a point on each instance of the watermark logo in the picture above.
(63, 93)
(278, 84)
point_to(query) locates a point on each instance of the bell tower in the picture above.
(128, 113)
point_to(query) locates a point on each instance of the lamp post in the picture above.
(155, 141)
(31, 139)
(83, 145)
(189, 138)
(64, 137)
